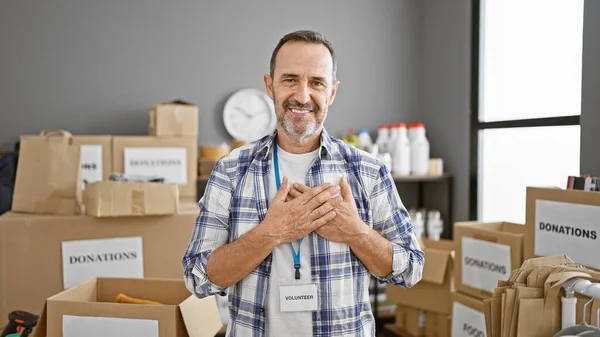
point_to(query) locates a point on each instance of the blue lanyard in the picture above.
(295, 253)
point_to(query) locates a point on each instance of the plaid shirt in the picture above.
(236, 200)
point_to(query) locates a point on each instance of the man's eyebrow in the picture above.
(319, 78)
(287, 75)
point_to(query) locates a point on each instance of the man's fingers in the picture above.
(311, 193)
(321, 210)
(322, 197)
(346, 191)
(301, 187)
(316, 224)
(283, 190)
(294, 193)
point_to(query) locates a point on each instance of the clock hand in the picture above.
(244, 112)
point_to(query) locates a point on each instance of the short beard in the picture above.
(287, 122)
(288, 126)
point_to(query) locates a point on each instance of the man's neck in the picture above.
(298, 146)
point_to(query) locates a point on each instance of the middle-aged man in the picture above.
(293, 248)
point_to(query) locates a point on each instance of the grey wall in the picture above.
(590, 99)
(97, 66)
(445, 35)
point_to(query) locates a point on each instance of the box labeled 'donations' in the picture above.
(486, 253)
(563, 222)
(173, 158)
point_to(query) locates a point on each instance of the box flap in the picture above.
(436, 265)
(201, 316)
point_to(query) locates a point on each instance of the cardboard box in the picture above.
(411, 320)
(468, 318)
(432, 293)
(91, 306)
(174, 119)
(437, 325)
(123, 198)
(175, 159)
(486, 253)
(37, 251)
(563, 222)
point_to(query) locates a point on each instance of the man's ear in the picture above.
(334, 90)
(269, 85)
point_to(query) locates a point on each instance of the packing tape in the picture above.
(137, 202)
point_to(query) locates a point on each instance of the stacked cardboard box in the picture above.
(128, 230)
(424, 310)
(563, 222)
(486, 253)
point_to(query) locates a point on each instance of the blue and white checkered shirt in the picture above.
(236, 200)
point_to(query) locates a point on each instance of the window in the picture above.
(526, 94)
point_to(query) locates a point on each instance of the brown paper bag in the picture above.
(48, 177)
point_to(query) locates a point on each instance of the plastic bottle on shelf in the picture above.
(351, 137)
(386, 158)
(364, 140)
(419, 150)
(418, 222)
(392, 139)
(435, 225)
(401, 155)
(383, 134)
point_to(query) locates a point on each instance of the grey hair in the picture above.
(307, 36)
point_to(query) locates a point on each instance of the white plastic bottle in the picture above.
(364, 140)
(435, 225)
(383, 134)
(386, 159)
(419, 150)
(392, 139)
(418, 224)
(401, 154)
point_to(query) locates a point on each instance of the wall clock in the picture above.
(249, 114)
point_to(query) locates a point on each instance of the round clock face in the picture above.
(249, 114)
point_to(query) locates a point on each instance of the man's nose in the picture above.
(302, 95)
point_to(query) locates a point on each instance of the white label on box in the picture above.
(169, 163)
(422, 319)
(86, 259)
(91, 163)
(467, 321)
(484, 263)
(563, 228)
(77, 326)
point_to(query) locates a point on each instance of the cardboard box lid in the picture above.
(510, 229)
(200, 316)
(438, 257)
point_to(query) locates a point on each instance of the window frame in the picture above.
(476, 125)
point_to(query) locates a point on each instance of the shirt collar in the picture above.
(327, 146)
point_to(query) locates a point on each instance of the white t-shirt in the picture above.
(289, 324)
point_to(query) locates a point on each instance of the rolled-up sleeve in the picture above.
(392, 221)
(210, 232)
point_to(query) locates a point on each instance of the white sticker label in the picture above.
(484, 263)
(86, 259)
(298, 297)
(77, 326)
(91, 163)
(563, 228)
(467, 321)
(422, 315)
(169, 163)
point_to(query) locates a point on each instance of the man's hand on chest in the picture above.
(346, 226)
